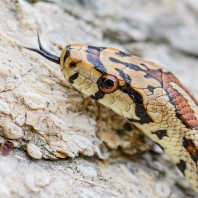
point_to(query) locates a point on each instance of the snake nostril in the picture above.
(72, 65)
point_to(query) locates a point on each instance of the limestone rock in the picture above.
(42, 114)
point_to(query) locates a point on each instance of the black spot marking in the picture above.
(67, 54)
(98, 95)
(94, 47)
(182, 166)
(144, 65)
(140, 110)
(93, 97)
(160, 133)
(129, 65)
(150, 88)
(126, 77)
(72, 78)
(191, 148)
(118, 61)
(187, 142)
(95, 60)
(135, 67)
(137, 98)
(122, 54)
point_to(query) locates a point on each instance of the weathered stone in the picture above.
(44, 114)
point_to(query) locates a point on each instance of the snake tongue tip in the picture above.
(44, 52)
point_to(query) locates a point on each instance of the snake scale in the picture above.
(144, 93)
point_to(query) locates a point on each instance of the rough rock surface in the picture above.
(46, 119)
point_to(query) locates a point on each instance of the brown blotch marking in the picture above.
(6, 147)
(191, 148)
(181, 165)
(160, 133)
(183, 111)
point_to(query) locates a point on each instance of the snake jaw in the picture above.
(44, 52)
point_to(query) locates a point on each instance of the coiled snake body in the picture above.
(143, 92)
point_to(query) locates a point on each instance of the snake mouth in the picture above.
(44, 52)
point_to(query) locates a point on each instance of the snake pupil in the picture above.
(107, 83)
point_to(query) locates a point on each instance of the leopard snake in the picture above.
(144, 93)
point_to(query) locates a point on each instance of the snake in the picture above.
(144, 93)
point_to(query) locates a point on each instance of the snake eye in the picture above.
(108, 83)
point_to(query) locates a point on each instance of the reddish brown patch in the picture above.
(191, 148)
(6, 147)
(183, 110)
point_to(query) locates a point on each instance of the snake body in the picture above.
(144, 93)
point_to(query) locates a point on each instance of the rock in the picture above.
(11, 130)
(4, 108)
(162, 189)
(34, 101)
(34, 151)
(87, 171)
(44, 114)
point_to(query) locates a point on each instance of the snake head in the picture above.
(116, 79)
(127, 84)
